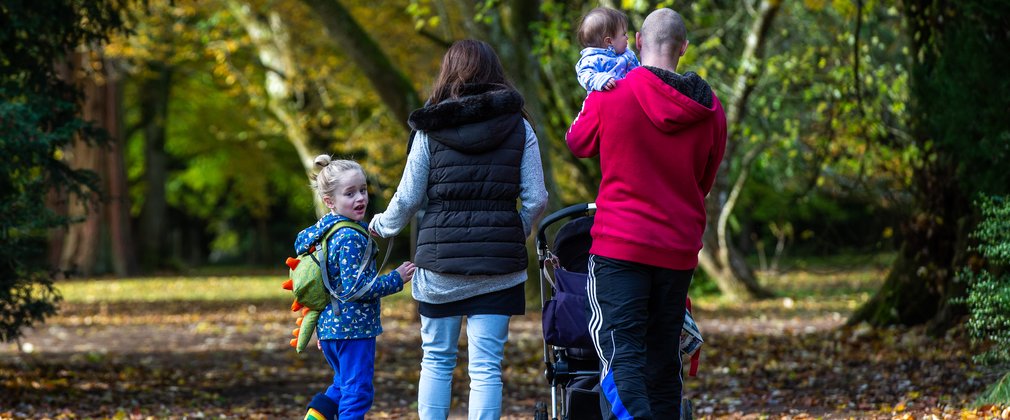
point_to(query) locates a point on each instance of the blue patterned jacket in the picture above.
(598, 65)
(349, 320)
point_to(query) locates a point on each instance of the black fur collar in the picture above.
(690, 84)
(479, 102)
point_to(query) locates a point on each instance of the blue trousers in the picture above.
(353, 363)
(486, 336)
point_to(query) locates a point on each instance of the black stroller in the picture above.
(573, 368)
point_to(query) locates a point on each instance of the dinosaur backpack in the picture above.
(312, 293)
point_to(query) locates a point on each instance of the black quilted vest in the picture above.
(471, 225)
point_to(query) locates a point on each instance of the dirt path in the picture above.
(174, 360)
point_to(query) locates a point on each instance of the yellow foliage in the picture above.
(814, 5)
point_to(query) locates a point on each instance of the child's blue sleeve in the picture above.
(585, 75)
(352, 246)
(592, 79)
(386, 285)
(591, 73)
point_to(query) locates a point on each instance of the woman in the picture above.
(474, 155)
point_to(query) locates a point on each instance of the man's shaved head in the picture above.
(664, 31)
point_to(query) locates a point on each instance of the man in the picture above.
(660, 137)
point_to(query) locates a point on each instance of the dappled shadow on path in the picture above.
(233, 360)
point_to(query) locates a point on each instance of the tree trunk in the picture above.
(922, 279)
(77, 252)
(154, 96)
(80, 248)
(719, 257)
(124, 260)
(392, 85)
(81, 242)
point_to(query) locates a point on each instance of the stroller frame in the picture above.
(560, 369)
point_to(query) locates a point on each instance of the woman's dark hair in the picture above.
(469, 61)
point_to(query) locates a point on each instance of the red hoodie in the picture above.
(659, 152)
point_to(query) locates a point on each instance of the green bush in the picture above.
(989, 285)
(26, 292)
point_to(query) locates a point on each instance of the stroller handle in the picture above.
(572, 210)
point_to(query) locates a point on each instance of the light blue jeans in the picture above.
(486, 336)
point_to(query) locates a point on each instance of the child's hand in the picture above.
(406, 271)
(609, 85)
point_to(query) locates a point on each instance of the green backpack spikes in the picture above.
(306, 283)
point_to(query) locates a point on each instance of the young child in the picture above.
(347, 330)
(606, 57)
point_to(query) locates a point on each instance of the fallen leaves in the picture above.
(210, 359)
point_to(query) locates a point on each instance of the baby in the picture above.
(605, 56)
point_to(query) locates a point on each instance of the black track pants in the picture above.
(636, 313)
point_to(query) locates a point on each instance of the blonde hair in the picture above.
(330, 173)
(600, 23)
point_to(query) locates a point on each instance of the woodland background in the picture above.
(152, 146)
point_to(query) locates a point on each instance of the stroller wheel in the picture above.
(540, 411)
(686, 409)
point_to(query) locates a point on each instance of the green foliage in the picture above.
(38, 119)
(998, 393)
(822, 120)
(989, 287)
(231, 138)
(702, 285)
(962, 91)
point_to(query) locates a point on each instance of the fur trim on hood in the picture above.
(478, 102)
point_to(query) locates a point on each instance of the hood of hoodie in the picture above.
(672, 101)
(312, 235)
(479, 120)
(591, 51)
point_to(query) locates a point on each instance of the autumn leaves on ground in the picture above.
(217, 346)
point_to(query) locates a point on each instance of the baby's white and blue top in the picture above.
(598, 65)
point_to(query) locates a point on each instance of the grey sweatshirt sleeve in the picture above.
(409, 194)
(532, 192)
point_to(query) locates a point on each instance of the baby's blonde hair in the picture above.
(600, 23)
(330, 173)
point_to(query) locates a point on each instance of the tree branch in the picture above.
(393, 87)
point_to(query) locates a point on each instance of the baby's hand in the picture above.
(609, 85)
(406, 271)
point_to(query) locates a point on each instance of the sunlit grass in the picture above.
(155, 289)
(808, 286)
(175, 289)
(804, 288)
